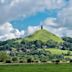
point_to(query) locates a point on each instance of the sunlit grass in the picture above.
(36, 68)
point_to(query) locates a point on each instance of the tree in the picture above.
(3, 56)
(67, 39)
(38, 43)
(51, 44)
(66, 46)
(15, 59)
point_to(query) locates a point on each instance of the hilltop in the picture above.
(43, 35)
(39, 39)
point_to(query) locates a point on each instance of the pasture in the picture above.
(36, 68)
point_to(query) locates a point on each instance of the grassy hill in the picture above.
(43, 35)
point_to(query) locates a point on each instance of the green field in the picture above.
(37, 68)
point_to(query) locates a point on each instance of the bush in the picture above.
(29, 60)
(71, 61)
(36, 61)
(56, 61)
(8, 61)
(15, 59)
(44, 61)
(1, 60)
(21, 61)
(3, 56)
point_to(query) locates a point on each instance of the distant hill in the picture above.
(43, 35)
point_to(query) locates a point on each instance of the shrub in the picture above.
(15, 59)
(29, 60)
(56, 61)
(3, 56)
(1, 60)
(21, 61)
(8, 61)
(71, 61)
(36, 61)
(44, 61)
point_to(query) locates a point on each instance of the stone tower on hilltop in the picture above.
(41, 27)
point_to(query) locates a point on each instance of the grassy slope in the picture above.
(37, 68)
(57, 51)
(68, 57)
(44, 36)
(41, 35)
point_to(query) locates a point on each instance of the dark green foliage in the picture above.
(67, 39)
(8, 61)
(21, 61)
(67, 45)
(29, 60)
(15, 59)
(70, 60)
(51, 44)
(56, 61)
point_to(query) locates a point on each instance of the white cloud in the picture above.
(65, 15)
(61, 31)
(51, 25)
(7, 31)
(50, 22)
(11, 9)
(32, 29)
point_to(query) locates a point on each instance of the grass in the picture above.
(36, 68)
(68, 57)
(44, 36)
(57, 51)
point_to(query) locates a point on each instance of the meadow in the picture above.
(57, 51)
(36, 68)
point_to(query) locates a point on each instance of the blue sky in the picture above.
(33, 20)
(19, 18)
